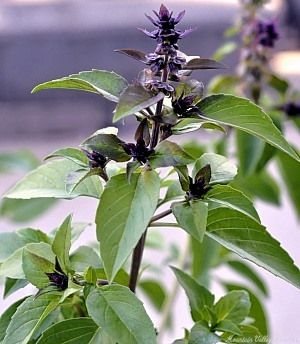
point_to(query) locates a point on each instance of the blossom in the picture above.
(58, 278)
(96, 159)
(138, 151)
(165, 23)
(292, 109)
(267, 33)
(183, 106)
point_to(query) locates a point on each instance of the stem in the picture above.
(160, 215)
(136, 262)
(164, 224)
(139, 249)
(138, 252)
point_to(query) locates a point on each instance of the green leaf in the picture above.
(12, 266)
(83, 257)
(134, 99)
(168, 153)
(135, 54)
(12, 285)
(121, 315)
(225, 49)
(242, 114)
(31, 235)
(278, 84)
(37, 260)
(188, 125)
(74, 154)
(192, 216)
(201, 334)
(109, 145)
(22, 328)
(123, 215)
(199, 297)
(257, 311)
(226, 196)
(246, 237)
(290, 170)
(201, 63)
(22, 160)
(244, 270)
(249, 151)
(155, 292)
(234, 306)
(108, 84)
(62, 244)
(9, 243)
(222, 170)
(261, 185)
(6, 317)
(48, 181)
(19, 210)
(228, 326)
(70, 331)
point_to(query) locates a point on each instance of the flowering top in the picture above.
(267, 33)
(165, 23)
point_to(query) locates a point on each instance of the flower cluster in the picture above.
(167, 36)
(58, 278)
(183, 106)
(138, 151)
(96, 159)
(267, 33)
(291, 109)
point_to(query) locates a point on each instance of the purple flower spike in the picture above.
(267, 33)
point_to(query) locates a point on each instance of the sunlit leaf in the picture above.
(108, 84)
(22, 328)
(123, 215)
(121, 315)
(244, 115)
(70, 331)
(48, 181)
(246, 237)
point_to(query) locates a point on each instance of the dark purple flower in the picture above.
(165, 23)
(156, 62)
(267, 33)
(138, 151)
(160, 86)
(96, 159)
(58, 278)
(199, 187)
(292, 109)
(183, 106)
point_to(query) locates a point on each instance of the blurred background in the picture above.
(42, 40)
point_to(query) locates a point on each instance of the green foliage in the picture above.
(48, 181)
(86, 292)
(107, 84)
(244, 115)
(120, 223)
(71, 331)
(121, 315)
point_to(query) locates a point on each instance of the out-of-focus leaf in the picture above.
(155, 292)
(290, 172)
